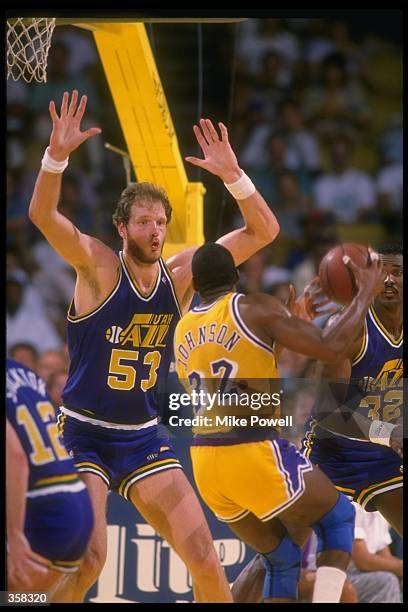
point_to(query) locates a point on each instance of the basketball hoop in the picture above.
(28, 43)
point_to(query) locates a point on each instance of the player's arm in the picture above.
(78, 249)
(333, 343)
(310, 304)
(21, 559)
(372, 562)
(260, 224)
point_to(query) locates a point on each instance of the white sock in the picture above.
(328, 585)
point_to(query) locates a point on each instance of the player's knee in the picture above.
(335, 530)
(282, 567)
(93, 562)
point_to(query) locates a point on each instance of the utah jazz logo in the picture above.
(144, 330)
(385, 398)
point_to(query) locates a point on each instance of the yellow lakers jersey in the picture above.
(216, 351)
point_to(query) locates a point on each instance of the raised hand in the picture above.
(219, 158)
(311, 303)
(66, 135)
(370, 278)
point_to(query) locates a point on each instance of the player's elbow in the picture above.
(34, 214)
(270, 231)
(265, 233)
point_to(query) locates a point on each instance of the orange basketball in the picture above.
(336, 279)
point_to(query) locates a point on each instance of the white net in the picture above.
(28, 43)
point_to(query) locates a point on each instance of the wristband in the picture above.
(52, 165)
(380, 432)
(242, 188)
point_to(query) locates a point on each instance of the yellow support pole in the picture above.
(145, 118)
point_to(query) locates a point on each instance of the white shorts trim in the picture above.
(106, 425)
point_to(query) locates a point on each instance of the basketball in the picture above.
(336, 279)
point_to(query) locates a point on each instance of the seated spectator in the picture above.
(26, 320)
(25, 353)
(346, 191)
(337, 104)
(267, 178)
(293, 205)
(373, 570)
(50, 363)
(302, 148)
(55, 386)
(389, 186)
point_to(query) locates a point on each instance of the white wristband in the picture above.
(242, 188)
(52, 165)
(380, 432)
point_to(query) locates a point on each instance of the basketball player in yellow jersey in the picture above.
(252, 479)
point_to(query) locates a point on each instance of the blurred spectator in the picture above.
(55, 386)
(257, 275)
(17, 213)
(373, 570)
(50, 363)
(317, 43)
(82, 53)
(302, 149)
(17, 95)
(260, 36)
(72, 206)
(26, 320)
(337, 104)
(293, 205)
(389, 183)
(267, 178)
(347, 192)
(25, 353)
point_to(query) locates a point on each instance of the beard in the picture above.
(140, 254)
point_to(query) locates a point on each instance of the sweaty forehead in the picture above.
(392, 260)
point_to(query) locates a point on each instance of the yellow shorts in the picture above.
(264, 478)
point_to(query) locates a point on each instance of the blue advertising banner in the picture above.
(141, 567)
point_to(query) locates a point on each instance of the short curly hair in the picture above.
(139, 192)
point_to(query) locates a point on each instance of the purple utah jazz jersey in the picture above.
(32, 416)
(360, 469)
(121, 351)
(377, 372)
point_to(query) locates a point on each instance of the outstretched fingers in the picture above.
(212, 130)
(64, 105)
(53, 112)
(224, 132)
(81, 109)
(73, 103)
(200, 138)
(89, 133)
(206, 130)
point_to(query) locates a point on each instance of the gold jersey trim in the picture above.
(167, 273)
(363, 347)
(383, 331)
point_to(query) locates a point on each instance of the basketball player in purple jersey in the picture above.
(120, 333)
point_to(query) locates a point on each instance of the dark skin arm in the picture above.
(271, 321)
